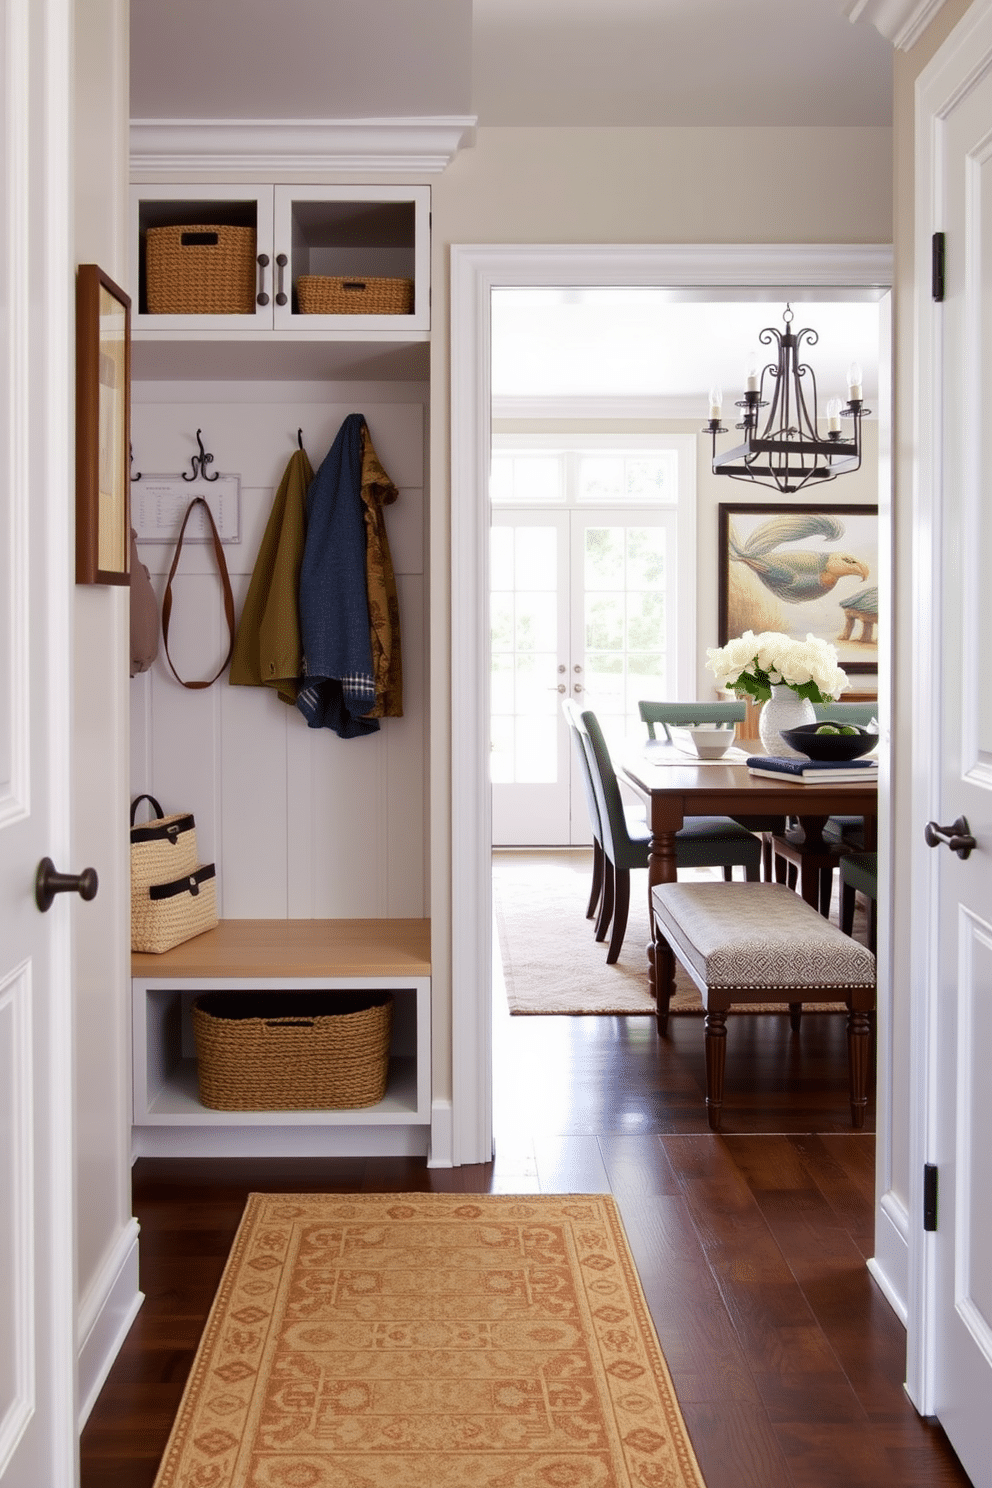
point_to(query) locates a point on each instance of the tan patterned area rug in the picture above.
(429, 1341)
(552, 962)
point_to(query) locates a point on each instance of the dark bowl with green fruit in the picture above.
(830, 740)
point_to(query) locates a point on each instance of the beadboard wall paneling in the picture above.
(299, 822)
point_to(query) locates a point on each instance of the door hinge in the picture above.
(937, 266)
(929, 1196)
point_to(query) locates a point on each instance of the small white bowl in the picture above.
(712, 740)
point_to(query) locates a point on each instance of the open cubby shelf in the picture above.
(274, 956)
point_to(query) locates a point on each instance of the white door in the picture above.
(37, 1335)
(583, 606)
(530, 674)
(960, 887)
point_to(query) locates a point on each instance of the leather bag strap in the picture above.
(157, 811)
(225, 581)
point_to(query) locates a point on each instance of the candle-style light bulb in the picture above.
(833, 415)
(716, 403)
(751, 372)
(855, 379)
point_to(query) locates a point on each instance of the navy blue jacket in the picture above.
(338, 685)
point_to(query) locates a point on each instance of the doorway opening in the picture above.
(694, 275)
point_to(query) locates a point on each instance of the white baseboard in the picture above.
(279, 1141)
(105, 1316)
(890, 1264)
(441, 1151)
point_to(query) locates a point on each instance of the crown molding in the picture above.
(902, 22)
(183, 146)
(588, 406)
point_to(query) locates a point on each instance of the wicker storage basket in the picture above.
(319, 294)
(165, 914)
(162, 849)
(292, 1051)
(201, 270)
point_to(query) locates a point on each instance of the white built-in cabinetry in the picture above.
(370, 231)
(304, 827)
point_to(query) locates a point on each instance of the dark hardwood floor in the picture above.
(751, 1245)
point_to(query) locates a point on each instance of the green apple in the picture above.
(829, 728)
(849, 729)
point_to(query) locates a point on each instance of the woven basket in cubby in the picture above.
(292, 1051)
(206, 269)
(323, 294)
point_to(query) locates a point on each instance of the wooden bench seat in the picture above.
(760, 942)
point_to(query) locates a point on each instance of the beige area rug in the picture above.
(552, 962)
(429, 1341)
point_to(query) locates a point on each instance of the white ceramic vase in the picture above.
(783, 710)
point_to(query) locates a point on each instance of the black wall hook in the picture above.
(200, 462)
(299, 437)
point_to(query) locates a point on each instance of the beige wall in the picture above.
(99, 755)
(615, 186)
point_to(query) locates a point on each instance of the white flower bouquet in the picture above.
(756, 663)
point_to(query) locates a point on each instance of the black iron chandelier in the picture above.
(789, 453)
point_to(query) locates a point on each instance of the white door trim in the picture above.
(475, 270)
(962, 61)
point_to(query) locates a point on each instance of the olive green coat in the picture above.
(267, 647)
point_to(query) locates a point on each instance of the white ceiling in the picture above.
(512, 62)
(640, 344)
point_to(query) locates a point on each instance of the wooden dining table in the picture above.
(672, 785)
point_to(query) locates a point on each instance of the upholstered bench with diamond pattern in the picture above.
(759, 942)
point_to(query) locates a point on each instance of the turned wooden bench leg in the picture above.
(716, 1058)
(858, 1027)
(661, 979)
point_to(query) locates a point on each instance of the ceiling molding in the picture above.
(588, 407)
(184, 146)
(902, 22)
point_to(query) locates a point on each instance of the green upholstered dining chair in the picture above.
(704, 841)
(571, 712)
(849, 829)
(859, 875)
(687, 715)
(842, 834)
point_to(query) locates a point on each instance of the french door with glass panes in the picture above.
(583, 607)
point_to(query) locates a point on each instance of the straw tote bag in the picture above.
(173, 895)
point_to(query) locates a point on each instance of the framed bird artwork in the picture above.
(803, 570)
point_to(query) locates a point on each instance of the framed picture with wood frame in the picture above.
(805, 570)
(103, 397)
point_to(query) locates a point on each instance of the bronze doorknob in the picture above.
(957, 836)
(48, 883)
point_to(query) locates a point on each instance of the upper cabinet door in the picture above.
(348, 262)
(201, 258)
(352, 259)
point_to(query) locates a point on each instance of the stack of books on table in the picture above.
(809, 771)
